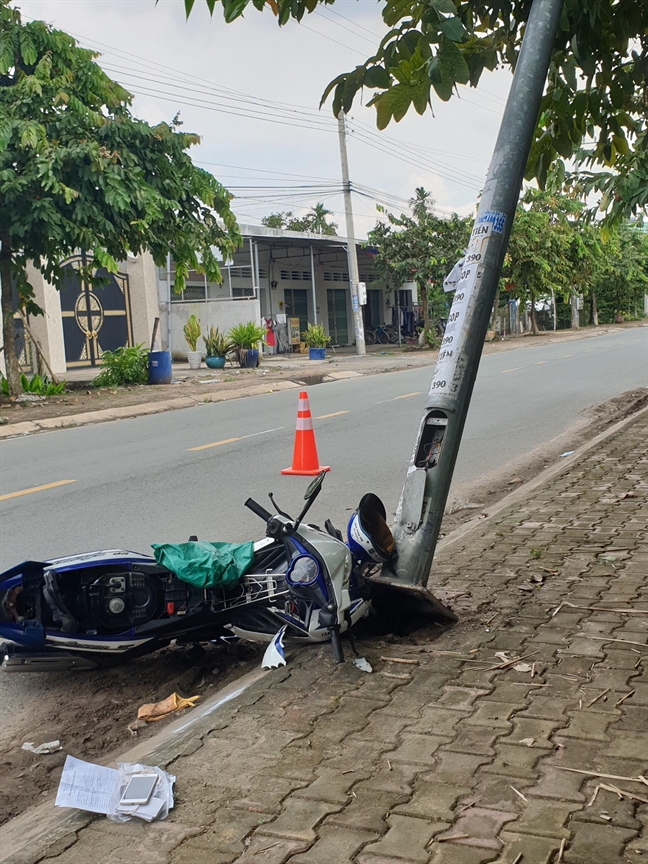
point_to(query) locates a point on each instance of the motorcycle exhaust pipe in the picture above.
(27, 661)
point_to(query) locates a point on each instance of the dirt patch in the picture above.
(89, 712)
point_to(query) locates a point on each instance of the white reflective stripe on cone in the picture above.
(304, 423)
(303, 405)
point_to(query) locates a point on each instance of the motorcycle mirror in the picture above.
(314, 486)
(311, 494)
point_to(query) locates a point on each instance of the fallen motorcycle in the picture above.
(101, 608)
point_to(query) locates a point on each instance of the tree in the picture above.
(420, 248)
(315, 221)
(78, 171)
(596, 85)
(536, 262)
(624, 275)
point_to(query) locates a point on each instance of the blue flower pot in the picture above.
(248, 358)
(317, 353)
(215, 362)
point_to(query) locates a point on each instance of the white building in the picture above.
(275, 276)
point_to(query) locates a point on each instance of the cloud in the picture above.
(251, 90)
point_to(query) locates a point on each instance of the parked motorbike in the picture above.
(101, 608)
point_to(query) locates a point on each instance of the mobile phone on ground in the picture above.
(139, 790)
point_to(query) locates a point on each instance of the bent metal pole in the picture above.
(423, 499)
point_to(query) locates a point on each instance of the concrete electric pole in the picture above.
(428, 479)
(354, 275)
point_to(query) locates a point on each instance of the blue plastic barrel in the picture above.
(159, 367)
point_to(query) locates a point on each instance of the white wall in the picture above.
(211, 313)
(142, 283)
(47, 328)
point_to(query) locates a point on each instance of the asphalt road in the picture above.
(141, 481)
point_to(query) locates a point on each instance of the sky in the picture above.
(252, 90)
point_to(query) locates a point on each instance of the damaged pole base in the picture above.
(413, 604)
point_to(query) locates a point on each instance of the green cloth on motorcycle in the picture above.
(203, 564)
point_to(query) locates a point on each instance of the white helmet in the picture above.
(370, 539)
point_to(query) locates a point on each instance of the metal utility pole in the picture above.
(169, 291)
(426, 487)
(354, 274)
(312, 257)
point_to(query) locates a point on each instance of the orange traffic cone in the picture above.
(305, 460)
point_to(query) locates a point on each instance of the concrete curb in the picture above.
(89, 417)
(129, 411)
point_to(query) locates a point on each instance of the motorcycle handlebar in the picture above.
(252, 505)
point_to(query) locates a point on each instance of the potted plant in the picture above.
(245, 339)
(217, 346)
(192, 334)
(317, 340)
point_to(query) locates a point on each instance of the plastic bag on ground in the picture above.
(204, 564)
(159, 804)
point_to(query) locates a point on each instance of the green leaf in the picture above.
(330, 86)
(453, 60)
(392, 103)
(6, 129)
(440, 79)
(446, 6)
(453, 29)
(233, 9)
(29, 136)
(189, 4)
(27, 50)
(376, 77)
(6, 52)
(421, 97)
(476, 67)
(408, 44)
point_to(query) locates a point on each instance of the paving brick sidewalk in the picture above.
(448, 761)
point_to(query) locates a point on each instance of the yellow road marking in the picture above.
(590, 350)
(515, 369)
(232, 440)
(35, 489)
(394, 398)
(540, 362)
(334, 414)
(215, 444)
(564, 356)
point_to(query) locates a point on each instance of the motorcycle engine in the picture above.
(123, 600)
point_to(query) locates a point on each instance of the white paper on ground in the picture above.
(149, 811)
(86, 786)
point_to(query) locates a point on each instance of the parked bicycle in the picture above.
(382, 335)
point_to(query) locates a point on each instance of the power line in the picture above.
(418, 163)
(330, 39)
(348, 29)
(380, 142)
(265, 171)
(258, 105)
(355, 23)
(421, 147)
(206, 106)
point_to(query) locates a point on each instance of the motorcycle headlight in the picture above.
(304, 570)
